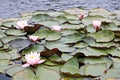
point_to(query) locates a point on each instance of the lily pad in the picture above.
(36, 48)
(73, 38)
(103, 36)
(42, 33)
(60, 46)
(40, 17)
(71, 26)
(14, 32)
(14, 69)
(95, 69)
(71, 67)
(25, 75)
(53, 35)
(92, 51)
(49, 23)
(49, 74)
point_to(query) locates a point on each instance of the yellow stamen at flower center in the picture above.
(32, 57)
(23, 24)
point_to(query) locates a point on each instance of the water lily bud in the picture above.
(33, 38)
(81, 16)
(57, 28)
(96, 24)
(32, 58)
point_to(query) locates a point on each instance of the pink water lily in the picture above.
(32, 58)
(97, 24)
(57, 28)
(81, 16)
(33, 38)
(21, 24)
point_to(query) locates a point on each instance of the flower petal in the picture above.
(41, 61)
(26, 65)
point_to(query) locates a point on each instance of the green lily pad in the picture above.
(61, 19)
(80, 45)
(91, 42)
(40, 17)
(62, 59)
(66, 32)
(103, 36)
(34, 48)
(14, 69)
(42, 33)
(8, 24)
(14, 32)
(7, 39)
(53, 35)
(49, 73)
(110, 26)
(73, 38)
(90, 29)
(114, 52)
(14, 54)
(95, 69)
(71, 26)
(4, 64)
(71, 16)
(25, 75)
(99, 11)
(72, 21)
(62, 47)
(89, 19)
(71, 67)
(49, 23)
(93, 60)
(92, 51)
(5, 55)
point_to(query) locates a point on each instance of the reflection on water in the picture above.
(12, 8)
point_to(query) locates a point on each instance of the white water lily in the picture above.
(57, 28)
(21, 24)
(33, 38)
(96, 24)
(32, 58)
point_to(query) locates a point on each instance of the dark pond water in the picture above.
(12, 8)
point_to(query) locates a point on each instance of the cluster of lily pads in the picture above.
(73, 44)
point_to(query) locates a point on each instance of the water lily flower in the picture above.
(32, 58)
(81, 16)
(96, 24)
(57, 28)
(33, 38)
(21, 24)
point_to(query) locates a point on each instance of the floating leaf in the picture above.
(103, 36)
(62, 47)
(53, 35)
(42, 33)
(14, 32)
(36, 48)
(68, 32)
(61, 19)
(72, 38)
(25, 75)
(14, 69)
(71, 26)
(92, 51)
(95, 69)
(71, 67)
(40, 17)
(49, 23)
(49, 73)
